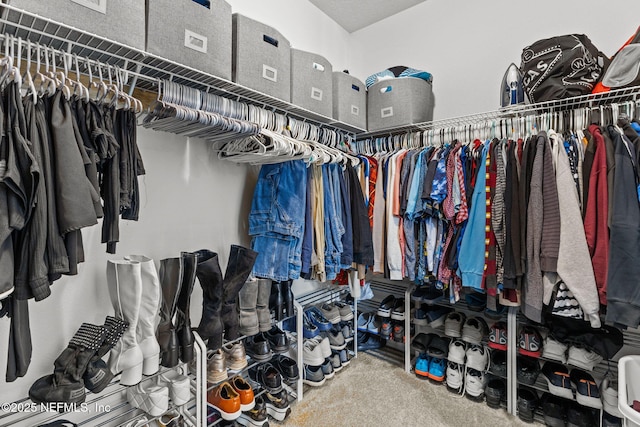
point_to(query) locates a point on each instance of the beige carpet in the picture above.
(374, 392)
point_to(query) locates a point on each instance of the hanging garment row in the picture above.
(516, 218)
(68, 156)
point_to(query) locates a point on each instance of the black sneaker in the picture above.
(581, 416)
(287, 367)
(496, 392)
(499, 363)
(267, 376)
(609, 420)
(527, 404)
(277, 405)
(528, 370)
(257, 416)
(398, 332)
(386, 306)
(554, 409)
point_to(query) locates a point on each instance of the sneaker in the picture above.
(474, 330)
(347, 331)
(317, 318)
(398, 309)
(313, 376)
(609, 420)
(335, 361)
(398, 332)
(287, 367)
(453, 324)
(267, 376)
(256, 417)
(554, 350)
(258, 347)
(324, 344)
(331, 312)
(327, 368)
(216, 367)
(495, 392)
(530, 342)
(478, 358)
(438, 347)
(499, 363)
(581, 416)
(558, 380)
(587, 392)
(419, 293)
(554, 410)
(363, 321)
(312, 353)
(476, 301)
(336, 339)
(583, 358)
(421, 342)
(278, 340)
(527, 404)
(345, 357)
(457, 351)
(474, 383)
(498, 336)
(428, 294)
(277, 405)
(345, 310)
(235, 355)
(437, 370)
(431, 316)
(369, 341)
(386, 306)
(609, 391)
(422, 367)
(528, 370)
(455, 377)
(386, 328)
(309, 329)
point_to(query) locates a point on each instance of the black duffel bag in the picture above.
(561, 67)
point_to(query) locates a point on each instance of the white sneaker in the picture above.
(478, 358)
(609, 391)
(149, 397)
(554, 350)
(324, 344)
(312, 353)
(474, 382)
(583, 358)
(457, 350)
(179, 386)
(455, 376)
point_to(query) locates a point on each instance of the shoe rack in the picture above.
(110, 408)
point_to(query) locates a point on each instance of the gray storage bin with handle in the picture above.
(261, 58)
(191, 34)
(311, 82)
(399, 102)
(349, 100)
(121, 21)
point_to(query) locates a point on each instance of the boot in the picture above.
(210, 278)
(183, 320)
(98, 375)
(65, 384)
(124, 279)
(146, 330)
(170, 281)
(276, 301)
(247, 300)
(239, 267)
(262, 305)
(287, 294)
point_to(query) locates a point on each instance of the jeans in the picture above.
(334, 229)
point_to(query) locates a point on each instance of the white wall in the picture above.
(467, 44)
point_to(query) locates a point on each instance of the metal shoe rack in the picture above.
(110, 407)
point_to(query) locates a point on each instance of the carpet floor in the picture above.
(376, 392)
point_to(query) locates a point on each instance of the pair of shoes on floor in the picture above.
(562, 383)
(232, 397)
(153, 397)
(558, 412)
(369, 341)
(427, 367)
(496, 392)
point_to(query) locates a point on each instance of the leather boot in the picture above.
(170, 281)
(183, 320)
(239, 267)
(124, 279)
(287, 295)
(276, 301)
(98, 375)
(262, 304)
(66, 384)
(247, 300)
(151, 299)
(210, 278)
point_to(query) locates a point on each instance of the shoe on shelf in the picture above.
(474, 382)
(554, 410)
(498, 363)
(609, 420)
(258, 347)
(309, 329)
(453, 324)
(437, 369)
(385, 328)
(336, 339)
(527, 404)
(495, 392)
(330, 312)
(582, 358)
(587, 392)
(317, 318)
(581, 416)
(278, 340)
(235, 355)
(496, 314)
(345, 357)
(179, 386)
(457, 351)
(397, 313)
(428, 294)
(528, 370)
(287, 367)
(347, 331)
(312, 353)
(257, 416)
(421, 342)
(530, 342)
(277, 405)
(397, 333)
(363, 321)
(476, 301)
(313, 376)
(430, 315)
(474, 330)
(325, 346)
(421, 368)
(478, 358)
(554, 350)
(386, 306)
(609, 391)
(368, 341)
(267, 376)
(244, 390)
(345, 310)
(335, 361)
(327, 368)
(225, 399)
(438, 347)
(455, 377)
(216, 367)
(149, 397)
(558, 379)
(498, 336)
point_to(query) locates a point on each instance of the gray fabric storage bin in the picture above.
(349, 100)
(398, 102)
(191, 34)
(122, 21)
(261, 58)
(311, 82)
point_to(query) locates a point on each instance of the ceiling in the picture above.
(353, 15)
